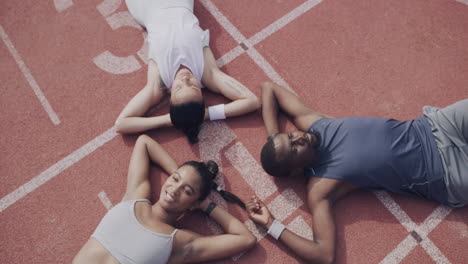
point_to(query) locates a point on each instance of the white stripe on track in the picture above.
(27, 74)
(285, 204)
(423, 230)
(283, 21)
(300, 227)
(251, 171)
(396, 210)
(57, 168)
(61, 5)
(105, 200)
(401, 251)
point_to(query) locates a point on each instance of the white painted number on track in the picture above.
(211, 149)
(62, 5)
(109, 62)
(106, 60)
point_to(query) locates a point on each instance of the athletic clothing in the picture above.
(378, 153)
(450, 130)
(174, 35)
(128, 241)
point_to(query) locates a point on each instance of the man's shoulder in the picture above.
(319, 188)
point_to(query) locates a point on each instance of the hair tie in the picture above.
(218, 189)
(270, 137)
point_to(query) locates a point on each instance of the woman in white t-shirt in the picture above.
(180, 60)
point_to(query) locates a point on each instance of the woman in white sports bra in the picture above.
(180, 61)
(136, 231)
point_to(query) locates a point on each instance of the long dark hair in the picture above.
(188, 118)
(208, 172)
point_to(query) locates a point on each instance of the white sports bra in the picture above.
(128, 240)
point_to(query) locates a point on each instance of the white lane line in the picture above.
(223, 21)
(267, 68)
(396, 210)
(252, 52)
(27, 74)
(283, 21)
(401, 251)
(61, 5)
(105, 200)
(409, 243)
(251, 171)
(434, 252)
(230, 56)
(429, 224)
(260, 36)
(210, 149)
(57, 168)
(439, 214)
(108, 7)
(285, 204)
(300, 227)
(213, 137)
(463, 1)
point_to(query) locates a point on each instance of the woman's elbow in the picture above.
(251, 241)
(119, 126)
(255, 102)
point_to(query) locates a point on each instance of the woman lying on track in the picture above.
(136, 231)
(180, 60)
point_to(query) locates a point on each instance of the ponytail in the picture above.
(208, 172)
(228, 196)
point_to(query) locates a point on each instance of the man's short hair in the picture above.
(270, 162)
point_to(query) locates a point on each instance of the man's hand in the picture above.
(259, 213)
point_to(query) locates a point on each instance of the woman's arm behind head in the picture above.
(191, 247)
(146, 149)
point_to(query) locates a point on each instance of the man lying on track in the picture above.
(426, 157)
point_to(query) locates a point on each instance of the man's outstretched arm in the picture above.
(322, 193)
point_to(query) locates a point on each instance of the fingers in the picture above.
(252, 206)
(255, 206)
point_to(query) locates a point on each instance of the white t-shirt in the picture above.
(174, 36)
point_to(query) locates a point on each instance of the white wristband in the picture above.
(216, 112)
(276, 229)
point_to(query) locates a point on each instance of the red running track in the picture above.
(69, 67)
